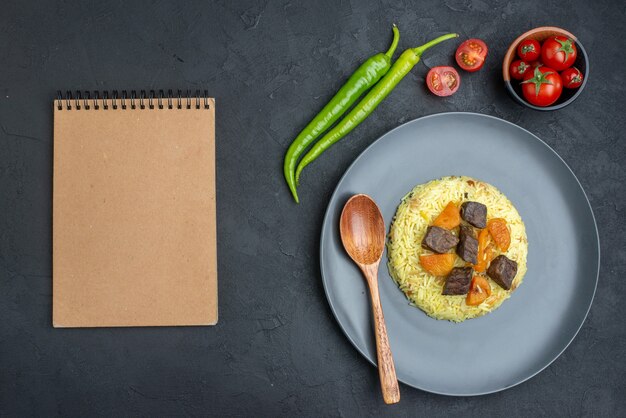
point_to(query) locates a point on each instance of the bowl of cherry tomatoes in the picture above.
(545, 68)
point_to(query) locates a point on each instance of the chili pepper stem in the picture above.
(420, 49)
(394, 42)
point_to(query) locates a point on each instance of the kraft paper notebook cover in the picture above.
(134, 234)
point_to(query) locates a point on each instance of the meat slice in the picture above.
(458, 281)
(474, 213)
(502, 271)
(468, 245)
(439, 240)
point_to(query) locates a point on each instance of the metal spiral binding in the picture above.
(93, 100)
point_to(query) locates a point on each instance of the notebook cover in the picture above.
(134, 234)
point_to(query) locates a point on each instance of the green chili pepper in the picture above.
(363, 78)
(376, 95)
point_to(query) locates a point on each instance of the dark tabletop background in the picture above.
(277, 349)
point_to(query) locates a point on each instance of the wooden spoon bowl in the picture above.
(362, 230)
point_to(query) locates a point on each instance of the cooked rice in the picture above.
(416, 212)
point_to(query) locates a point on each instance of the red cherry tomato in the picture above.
(558, 52)
(529, 50)
(471, 54)
(572, 78)
(542, 87)
(443, 81)
(518, 68)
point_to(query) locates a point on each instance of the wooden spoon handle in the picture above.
(386, 368)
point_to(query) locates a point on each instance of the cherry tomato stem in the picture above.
(572, 78)
(542, 87)
(518, 68)
(559, 52)
(529, 50)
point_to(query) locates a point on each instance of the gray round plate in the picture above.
(529, 330)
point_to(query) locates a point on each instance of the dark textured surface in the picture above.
(277, 349)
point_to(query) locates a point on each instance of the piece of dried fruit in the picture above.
(448, 218)
(485, 251)
(438, 264)
(478, 292)
(500, 233)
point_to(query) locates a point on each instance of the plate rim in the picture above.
(327, 215)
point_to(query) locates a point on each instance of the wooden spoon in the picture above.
(363, 236)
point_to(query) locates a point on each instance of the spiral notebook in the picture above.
(134, 222)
